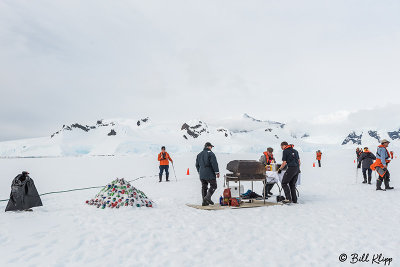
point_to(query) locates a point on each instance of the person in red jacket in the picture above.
(319, 155)
(164, 160)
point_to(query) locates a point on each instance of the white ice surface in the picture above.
(335, 216)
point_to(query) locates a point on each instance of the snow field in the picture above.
(335, 216)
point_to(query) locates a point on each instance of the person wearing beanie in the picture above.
(367, 159)
(207, 167)
(164, 159)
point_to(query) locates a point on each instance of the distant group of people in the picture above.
(379, 163)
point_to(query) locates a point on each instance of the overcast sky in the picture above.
(305, 61)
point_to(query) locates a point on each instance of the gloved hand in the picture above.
(299, 171)
(279, 170)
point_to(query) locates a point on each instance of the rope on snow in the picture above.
(84, 188)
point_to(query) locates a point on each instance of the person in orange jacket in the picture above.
(164, 160)
(381, 165)
(319, 155)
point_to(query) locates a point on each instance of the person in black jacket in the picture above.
(366, 158)
(291, 159)
(207, 167)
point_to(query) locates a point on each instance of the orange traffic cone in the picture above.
(313, 164)
(187, 173)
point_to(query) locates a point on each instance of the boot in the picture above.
(387, 187)
(205, 203)
(167, 177)
(266, 189)
(365, 178)
(369, 180)
(269, 189)
(207, 198)
(160, 176)
(378, 184)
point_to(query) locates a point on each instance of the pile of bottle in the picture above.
(120, 193)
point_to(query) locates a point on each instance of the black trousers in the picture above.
(289, 181)
(205, 189)
(385, 179)
(359, 165)
(319, 163)
(268, 187)
(162, 169)
(364, 171)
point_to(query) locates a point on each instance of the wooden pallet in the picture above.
(255, 204)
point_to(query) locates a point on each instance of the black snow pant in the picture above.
(359, 165)
(289, 181)
(319, 163)
(268, 187)
(364, 171)
(162, 168)
(385, 179)
(205, 191)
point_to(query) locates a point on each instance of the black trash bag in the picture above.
(23, 193)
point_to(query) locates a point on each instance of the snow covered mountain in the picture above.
(369, 137)
(128, 136)
(141, 136)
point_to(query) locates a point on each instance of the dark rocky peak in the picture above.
(268, 130)
(142, 121)
(224, 131)
(194, 131)
(275, 123)
(85, 128)
(112, 132)
(375, 135)
(242, 131)
(395, 135)
(100, 123)
(305, 135)
(353, 138)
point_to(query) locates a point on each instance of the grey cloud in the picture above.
(77, 61)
